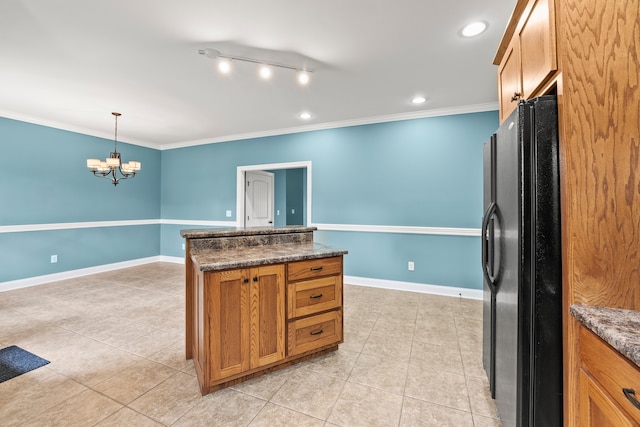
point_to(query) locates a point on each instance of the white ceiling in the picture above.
(70, 63)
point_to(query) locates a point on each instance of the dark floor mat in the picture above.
(15, 361)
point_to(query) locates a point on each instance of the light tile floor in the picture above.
(116, 345)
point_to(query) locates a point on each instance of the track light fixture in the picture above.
(225, 60)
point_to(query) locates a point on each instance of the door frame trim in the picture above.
(240, 177)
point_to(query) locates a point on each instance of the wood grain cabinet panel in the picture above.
(604, 376)
(597, 409)
(314, 296)
(246, 309)
(538, 46)
(310, 333)
(313, 268)
(510, 80)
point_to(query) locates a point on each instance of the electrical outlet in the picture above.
(411, 266)
(277, 211)
(293, 211)
(54, 259)
(228, 214)
(183, 246)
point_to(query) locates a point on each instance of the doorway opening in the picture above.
(297, 178)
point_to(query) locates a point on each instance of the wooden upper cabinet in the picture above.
(510, 80)
(538, 46)
(527, 54)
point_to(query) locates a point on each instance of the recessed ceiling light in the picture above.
(305, 115)
(418, 99)
(474, 29)
(265, 72)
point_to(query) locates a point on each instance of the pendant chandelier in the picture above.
(113, 168)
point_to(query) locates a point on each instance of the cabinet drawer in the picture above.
(314, 332)
(313, 268)
(314, 296)
(612, 371)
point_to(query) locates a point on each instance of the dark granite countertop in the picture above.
(243, 231)
(249, 256)
(618, 327)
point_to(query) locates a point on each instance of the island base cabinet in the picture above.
(238, 319)
(239, 323)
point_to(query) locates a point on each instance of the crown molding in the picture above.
(475, 108)
(69, 128)
(466, 109)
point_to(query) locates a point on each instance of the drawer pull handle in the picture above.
(316, 296)
(316, 268)
(631, 395)
(317, 332)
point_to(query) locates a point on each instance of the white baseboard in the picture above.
(71, 274)
(415, 287)
(172, 259)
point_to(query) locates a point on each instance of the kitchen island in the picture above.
(259, 299)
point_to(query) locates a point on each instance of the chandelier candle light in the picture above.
(111, 166)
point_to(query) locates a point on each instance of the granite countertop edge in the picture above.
(243, 231)
(214, 260)
(620, 328)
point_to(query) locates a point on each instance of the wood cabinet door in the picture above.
(597, 409)
(228, 311)
(538, 46)
(509, 80)
(267, 319)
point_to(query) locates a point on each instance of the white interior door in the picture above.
(258, 199)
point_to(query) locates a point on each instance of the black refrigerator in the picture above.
(521, 264)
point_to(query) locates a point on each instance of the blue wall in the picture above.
(45, 181)
(420, 172)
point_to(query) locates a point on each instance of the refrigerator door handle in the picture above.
(488, 246)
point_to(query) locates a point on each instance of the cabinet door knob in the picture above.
(255, 279)
(631, 395)
(246, 280)
(516, 96)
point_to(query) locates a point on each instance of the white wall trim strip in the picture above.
(415, 287)
(72, 225)
(328, 227)
(400, 229)
(198, 223)
(97, 224)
